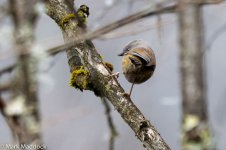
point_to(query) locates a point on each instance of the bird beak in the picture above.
(121, 54)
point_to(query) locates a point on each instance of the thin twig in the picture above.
(7, 69)
(122, 22)
(209, 2)
(108, 28)
(134, 29)
(111, 125)
(2, 105)
(5, 86)
(214, 36)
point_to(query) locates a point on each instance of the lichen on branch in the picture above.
(82, 14)
(79, 78)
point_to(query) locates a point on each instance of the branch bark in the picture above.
(111, 125)
(83, 57)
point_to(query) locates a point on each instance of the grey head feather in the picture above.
(134, 44)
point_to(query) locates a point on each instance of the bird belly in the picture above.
(138, 77)
(135, 74)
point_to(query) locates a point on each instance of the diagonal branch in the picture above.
(5, 86)
(89, 70)
(2, 105)
(7, 69)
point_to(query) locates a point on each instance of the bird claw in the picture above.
(116, 75)
(126, 95)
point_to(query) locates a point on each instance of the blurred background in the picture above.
(72, 119)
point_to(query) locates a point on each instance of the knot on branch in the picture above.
(143, 130)
(79, 78)
(82, 14)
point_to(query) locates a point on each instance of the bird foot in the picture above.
(116, 75)
(126, 94)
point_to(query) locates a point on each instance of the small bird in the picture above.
(138, 62)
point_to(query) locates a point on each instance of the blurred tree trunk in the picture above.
(195, 129)
(22, 112)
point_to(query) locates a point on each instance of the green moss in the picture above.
(79, 78)
(66, 19)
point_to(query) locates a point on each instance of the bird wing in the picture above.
(144, 54)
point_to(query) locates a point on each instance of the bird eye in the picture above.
(135, 61)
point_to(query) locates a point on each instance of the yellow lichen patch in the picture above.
(85, 9)
(79, 78)
(82, 17)
(109, 65)
(82, 14)
(66, 19)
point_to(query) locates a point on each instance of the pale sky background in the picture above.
(76, 120)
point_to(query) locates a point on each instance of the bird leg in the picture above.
(116, 75)
(131, 89)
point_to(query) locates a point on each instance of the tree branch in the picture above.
(88, 68)
(208, 2)
(214, 37)
(5, 86)
(2, 105)
(110, 124)
(7, 69)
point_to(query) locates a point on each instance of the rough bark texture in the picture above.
(196, 133)
(100, 79)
